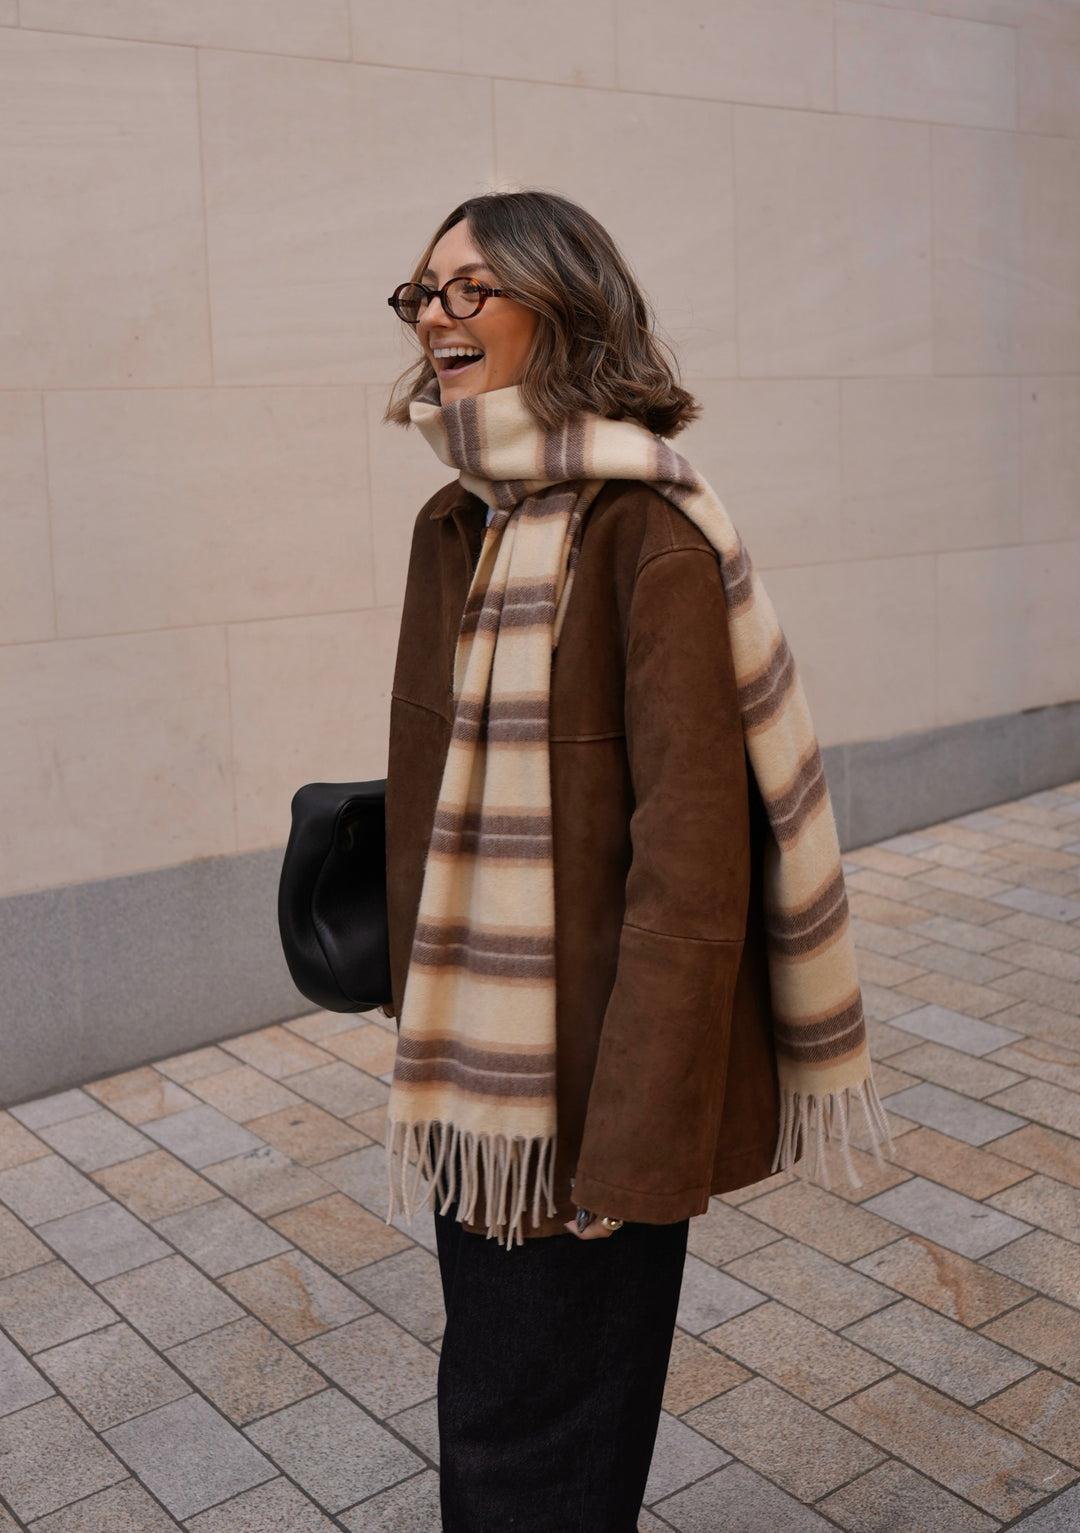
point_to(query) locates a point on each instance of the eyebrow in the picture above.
(462, 271)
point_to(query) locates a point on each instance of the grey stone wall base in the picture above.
(881, 788)
(101, 977)
(105, 976)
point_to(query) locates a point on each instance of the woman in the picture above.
(595, 1032)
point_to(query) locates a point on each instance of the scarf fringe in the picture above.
(809, 1122)
(450, 1160)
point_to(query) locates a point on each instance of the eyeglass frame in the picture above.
(440, 293)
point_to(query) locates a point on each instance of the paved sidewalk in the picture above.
(206, 1323)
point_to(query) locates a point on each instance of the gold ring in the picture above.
(612, 1224)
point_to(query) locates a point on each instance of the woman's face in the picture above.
(498, 339)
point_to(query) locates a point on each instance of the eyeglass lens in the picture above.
(463, 299)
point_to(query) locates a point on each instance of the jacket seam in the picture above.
(637, 1192)
(663, 553)
(607, 734)
(400, 697)
(651, 931)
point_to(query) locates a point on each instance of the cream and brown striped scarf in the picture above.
(472, 1107)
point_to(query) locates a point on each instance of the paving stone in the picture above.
(797, 1447)
(1047, 960)
(1044, 989)
(49, 1457)
(140, 1096)
(891, 941)
(796, 1353)
(1043, 1262)
(103, 1241)
(873, 1175)
(242, 1093)
(333, 1450)
(308, 1135)
(738, 1501)
(48, 1305)
(953, 1114)
(377, 1363)
(276, 1507)
(723, 1233)
(960, 1363)
(881, 1005)
(880, 969)
(697, 1373)
(1052, 907)
(681, 1456)
(294, 1296)
(1042, 1021)
(1041, 1149)
(1040, 1200)
(47, 1189)
(826, 1222)
(886, 912)
(111, 1375)
(362, 1175)
(17, 1144)
(57, 1108)
(123, 1508)
(19, 1249)
(893, 1499)
(740, 1195)
(407, 1287)
(245, 1370)
(221, 1237)
(369, 1048)
(1045, 1410)
(318, 1025)
(814, 1284)
(709, 1297)
(276, 1052)
(94, 1140)
(961, 963)
(189, 1456)
(1042, 1058)
(976, 1173)
(267, 1181)
(1062, 1515)
(20, 1382)
(884, 1040)
(339, 1088)
(170, 1301)
(948, 1218)
(419, 1425)
(956, 995)
(944, 1281)
(155, 1185)
(965, 1073)
(1043, 1330)
(194, 1064)
(960, 934)
(1037, 929)
(1050, 1105)
(339, 1233)
(412, 1507)
(953, 1445)
(371, 1122)
(888, 1079)
(202, 1136)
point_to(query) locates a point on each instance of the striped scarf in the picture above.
(472, 1106)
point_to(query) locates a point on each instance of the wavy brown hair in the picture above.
(595, 348)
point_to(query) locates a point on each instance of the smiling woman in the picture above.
(619, 942)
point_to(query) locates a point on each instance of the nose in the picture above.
(433, 314)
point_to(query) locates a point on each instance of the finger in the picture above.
(594, 1231)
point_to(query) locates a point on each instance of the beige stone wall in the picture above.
(861, 226)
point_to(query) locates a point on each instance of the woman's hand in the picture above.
(594, 1230)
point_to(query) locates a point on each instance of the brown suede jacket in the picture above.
(666, 1075)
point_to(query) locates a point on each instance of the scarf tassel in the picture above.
(450, 1161)
(809, 1121)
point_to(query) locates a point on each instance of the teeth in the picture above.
(456, 351)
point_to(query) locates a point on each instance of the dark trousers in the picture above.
(551, 1376)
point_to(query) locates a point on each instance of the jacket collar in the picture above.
(453, 497)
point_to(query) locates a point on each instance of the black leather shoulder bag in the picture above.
(332, 896)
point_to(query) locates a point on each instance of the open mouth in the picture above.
(454, 359)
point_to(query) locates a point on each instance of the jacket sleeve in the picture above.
(657, 1091)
